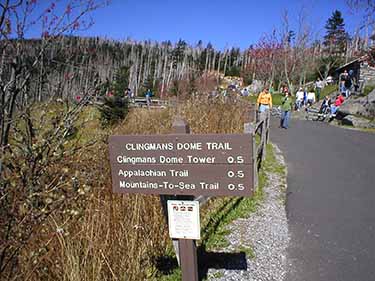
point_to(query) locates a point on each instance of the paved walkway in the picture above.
(331, 201)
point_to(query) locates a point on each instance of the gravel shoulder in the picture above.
(263, 236)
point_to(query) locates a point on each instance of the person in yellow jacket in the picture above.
(264, 101)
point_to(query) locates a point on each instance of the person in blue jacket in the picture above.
(148, 96)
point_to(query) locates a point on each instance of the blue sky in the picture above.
(238, 23)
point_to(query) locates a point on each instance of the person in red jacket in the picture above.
(338, 102)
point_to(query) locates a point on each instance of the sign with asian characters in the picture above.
(210, 165)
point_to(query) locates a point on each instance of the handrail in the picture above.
(260, 127)
(142, 102)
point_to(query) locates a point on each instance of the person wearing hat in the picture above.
(264, 101)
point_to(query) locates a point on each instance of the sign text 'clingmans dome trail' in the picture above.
(212, 165)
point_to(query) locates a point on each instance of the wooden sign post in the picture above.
(183, 166)
(186, 248)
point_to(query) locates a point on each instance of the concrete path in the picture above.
(331, 201)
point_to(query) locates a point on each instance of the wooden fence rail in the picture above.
(155, 103)
(261, 128)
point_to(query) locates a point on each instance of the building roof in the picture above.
(359, 59)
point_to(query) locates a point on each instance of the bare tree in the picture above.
(32, 137)
(368, 22)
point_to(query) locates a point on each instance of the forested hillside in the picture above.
(70, 66)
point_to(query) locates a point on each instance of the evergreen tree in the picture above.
(148, 84)
(175, 89)
(179, 52)
(121, 81)
(234, 54)
(203, 56)
(113, 110)
(336, 37)
(192, 86)
(233, 71)
(290, 37)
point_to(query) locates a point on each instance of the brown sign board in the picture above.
(210, 165)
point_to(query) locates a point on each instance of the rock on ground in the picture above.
(265, 232)
(364, 106)
(357, 122)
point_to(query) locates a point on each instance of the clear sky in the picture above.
(228, 23)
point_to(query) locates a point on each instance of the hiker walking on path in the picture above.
(286, 108)
(318, 88)
(148, 96)
(264, 101)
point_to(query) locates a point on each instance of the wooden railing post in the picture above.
(268, 126)
(263, 134)
(250, 128)
(261, 127)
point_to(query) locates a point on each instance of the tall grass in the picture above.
(328, 90)
(215, 117)
(117, 237)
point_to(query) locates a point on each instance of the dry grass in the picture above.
(117, 237)
(216, 117)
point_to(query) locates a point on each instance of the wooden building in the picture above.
(363, 69)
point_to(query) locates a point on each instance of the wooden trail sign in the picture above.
(182, 164)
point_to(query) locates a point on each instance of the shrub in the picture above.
(112, 110)
(368, 89)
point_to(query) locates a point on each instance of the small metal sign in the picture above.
(183, 219)
(211, 165)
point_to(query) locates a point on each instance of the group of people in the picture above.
(303, 98)
(347, 83)
(129, 94)
(148, 95)
(264, 103)
(330, 107)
